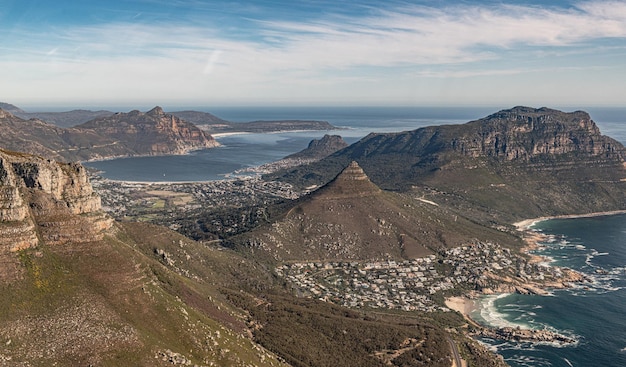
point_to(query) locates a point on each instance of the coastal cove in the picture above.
(595, 246)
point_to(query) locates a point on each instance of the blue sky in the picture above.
(217, 53)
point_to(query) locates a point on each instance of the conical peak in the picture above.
(353, 172)
(351, 182)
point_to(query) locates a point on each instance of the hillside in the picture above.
(64, 119)
(351, 218)
(514, 164)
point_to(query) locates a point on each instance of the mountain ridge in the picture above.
(119, 135)
(516, 164)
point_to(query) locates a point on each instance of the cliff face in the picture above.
(43, 200)
(523, 133)
(321, 148)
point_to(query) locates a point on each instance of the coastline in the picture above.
(465, 306)
(524, 225)
(532, 239)
(470, 302)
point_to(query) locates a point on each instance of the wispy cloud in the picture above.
(407, 40)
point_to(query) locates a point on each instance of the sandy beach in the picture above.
(464, 305)
(525, 224)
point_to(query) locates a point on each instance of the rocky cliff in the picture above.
(524, 133)
(151, 133)
(45, 201)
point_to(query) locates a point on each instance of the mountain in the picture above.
(516, 163)
(61, 119)
(199, 118)
(11, 108)
(66, 118)
(122, 134)
(79, 289)
(321, 148)
(150, 133)
(351, 218)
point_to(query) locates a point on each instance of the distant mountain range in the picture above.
(208, 122)
(118, 135)
(86, 135)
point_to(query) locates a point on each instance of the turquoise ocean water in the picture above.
(594, 313)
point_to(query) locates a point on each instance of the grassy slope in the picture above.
(109, 304)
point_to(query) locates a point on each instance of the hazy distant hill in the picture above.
(215, 125)
(11, 108)
(65, 119)
(521, 162)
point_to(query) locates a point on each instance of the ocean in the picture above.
(594, 313)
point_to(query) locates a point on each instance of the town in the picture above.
(415, 285)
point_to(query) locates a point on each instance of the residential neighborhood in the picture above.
(412, 284)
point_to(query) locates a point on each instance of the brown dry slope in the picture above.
(351, 218)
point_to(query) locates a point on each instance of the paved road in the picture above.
(455, 353)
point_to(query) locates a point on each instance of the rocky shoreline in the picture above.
(522, 335)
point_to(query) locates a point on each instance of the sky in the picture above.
(320, 53)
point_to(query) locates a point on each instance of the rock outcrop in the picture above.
(352, 182)
(45, 201)
(321, 148)
(524, 335)
(523, 133)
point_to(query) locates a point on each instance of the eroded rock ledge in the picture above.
(45, 201)
(523, 335)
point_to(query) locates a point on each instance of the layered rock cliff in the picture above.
(45, 201)
(523, 133)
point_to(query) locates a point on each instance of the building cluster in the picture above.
(409, 284)
(137, 199)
